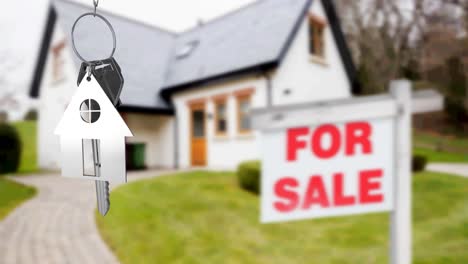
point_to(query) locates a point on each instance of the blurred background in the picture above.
(350, 47)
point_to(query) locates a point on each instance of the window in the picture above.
(187, 49)
(220, 116)
(90, 157)
(90, 111)
(198, 121)
(243, 113)
(316, 36)
(58, 61)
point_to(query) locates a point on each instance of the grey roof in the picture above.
(143, 52)
(257, 35)
(250, 36)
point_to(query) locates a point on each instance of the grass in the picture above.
(204, 217)
(428, 138)
(13, 194)
(439, 148)
(28, 135)
(441, 156)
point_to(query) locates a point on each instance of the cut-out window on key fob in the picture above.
(90, 111)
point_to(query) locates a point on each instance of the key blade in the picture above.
(102, 194)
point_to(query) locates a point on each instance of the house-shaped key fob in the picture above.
(92, 116)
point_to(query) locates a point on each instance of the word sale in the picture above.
(307, 193)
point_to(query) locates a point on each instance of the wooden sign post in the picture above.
(343, 157)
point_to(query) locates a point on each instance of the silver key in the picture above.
(102, 187)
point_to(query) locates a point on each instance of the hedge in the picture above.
(419, 163)
(10, 149)
(248, 176)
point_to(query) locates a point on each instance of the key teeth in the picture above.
(103, 187)
(107, 200)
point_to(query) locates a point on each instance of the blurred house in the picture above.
(187, 97)
(14, 106)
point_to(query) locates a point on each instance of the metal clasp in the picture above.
(96, 3)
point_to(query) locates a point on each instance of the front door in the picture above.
(198, 134)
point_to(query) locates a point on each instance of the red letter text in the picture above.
(293, 143)
(358, 134)
(367, 184)
(281, 191)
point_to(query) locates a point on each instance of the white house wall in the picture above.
(54, 98)
(157, 132)
(305, 79)
(227, 151)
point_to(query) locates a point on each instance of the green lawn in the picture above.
(203, 217)
(12, 194)
(441, 156)
(427, 138)
(439, 148)
(28, 134)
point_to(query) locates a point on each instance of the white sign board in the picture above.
(343, 157)
(327, 170)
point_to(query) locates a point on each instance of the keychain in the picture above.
(91, 129)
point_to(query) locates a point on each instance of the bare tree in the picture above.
(388, 36)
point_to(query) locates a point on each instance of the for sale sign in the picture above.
(327, 170)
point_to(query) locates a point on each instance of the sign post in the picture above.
(343, 157)
(400, 222)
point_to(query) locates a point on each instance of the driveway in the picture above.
(57, 226)
(460, 169)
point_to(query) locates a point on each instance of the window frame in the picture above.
(196, 104)
(87, 148)
(90, 111)
(318, 37)
(241, 96)
(216, 102)
(58, 61)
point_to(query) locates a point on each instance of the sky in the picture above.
(22, 23)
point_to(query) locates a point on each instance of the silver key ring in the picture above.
(108, 24)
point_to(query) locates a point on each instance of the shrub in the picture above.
(419, 163)
(248, 176)
(10, 149)
(31, 115)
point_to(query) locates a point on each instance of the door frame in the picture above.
(198, 104)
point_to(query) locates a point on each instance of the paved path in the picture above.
(58, 225)
(460, 169)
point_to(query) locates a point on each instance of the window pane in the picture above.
(94, 105)
(84, 105)
(198, 119)
(245, 106)
(89, 156)
(320, 41)
(95, 116)
(245, 123)
(221, 124)
(221, 111)
(86, 116)
(311, 38)
(245, 114)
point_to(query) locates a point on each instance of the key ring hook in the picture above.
(96, 3)
(114, 38)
